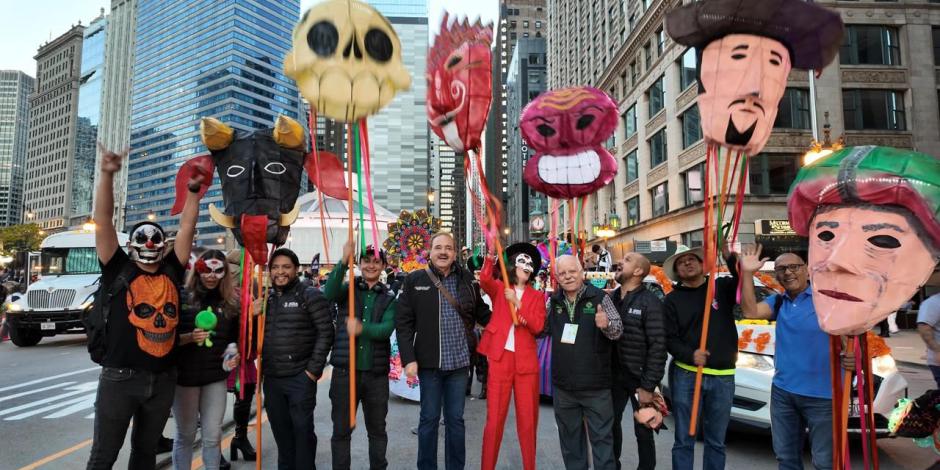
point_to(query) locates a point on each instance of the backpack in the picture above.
(96, 322)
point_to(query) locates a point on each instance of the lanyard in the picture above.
(571, 306)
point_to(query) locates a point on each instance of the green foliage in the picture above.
(23, 237)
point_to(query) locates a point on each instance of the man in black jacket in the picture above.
(640, 358)
(437, 310)
(684, 313)
(584, 326)
(298, 334)
(375, 319)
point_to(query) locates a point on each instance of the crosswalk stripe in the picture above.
(89, 402)
(33, 382)
(37, 390)
(76, 390)
(50, 408)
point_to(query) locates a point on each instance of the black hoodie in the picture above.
(684, 308)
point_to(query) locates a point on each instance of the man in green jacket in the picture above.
(372, 326)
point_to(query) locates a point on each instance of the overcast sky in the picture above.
(28, 24)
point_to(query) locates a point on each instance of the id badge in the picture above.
(569, 334)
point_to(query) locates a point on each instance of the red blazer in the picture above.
(493, 342)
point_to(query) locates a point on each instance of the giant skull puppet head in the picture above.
(567, 128)
(147, 243)
(260, 174)
(460, 82)
(872, 215)
(747, 48)
(346, 59)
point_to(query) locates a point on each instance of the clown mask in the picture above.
(524, 262)
(743, 77)
(147, 244)
(346, 59)
(864, 262)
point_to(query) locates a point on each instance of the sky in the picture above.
(29, 24)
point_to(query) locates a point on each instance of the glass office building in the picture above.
(15, 87)
(199, 58)
(89, 115)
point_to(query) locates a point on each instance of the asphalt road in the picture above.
(47, 411)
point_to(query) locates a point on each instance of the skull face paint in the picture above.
(211, 268)
(743, 79)
(460, 83)
(153, 306)
(863, 264)
(346, 59)
(524, 262)
(147, 243)
(567, 129)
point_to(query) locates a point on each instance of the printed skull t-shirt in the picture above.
(142, 325)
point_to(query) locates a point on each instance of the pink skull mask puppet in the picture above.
(567, 129)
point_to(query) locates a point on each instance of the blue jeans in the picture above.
(714, 413)
(442, 388)
(935, 370)
(204, 405)
(790, 415)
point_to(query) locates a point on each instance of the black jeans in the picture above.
(290, 402)
(572, 409)
(124, 394)
(625, 390)
(241, 409)
(372, 392)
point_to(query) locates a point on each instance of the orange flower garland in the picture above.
(662, 278)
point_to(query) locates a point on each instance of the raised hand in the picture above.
(348, 249)
(111, 161)
(750, 260)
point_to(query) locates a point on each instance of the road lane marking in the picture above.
(37, 390)
(51, 407)
(56, 456)
(76, 390)
(33, 382)
(89, 402)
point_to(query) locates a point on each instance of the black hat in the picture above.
(813, 34)
(474, 263)
(527, 248)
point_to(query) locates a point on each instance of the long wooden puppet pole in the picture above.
(351, 300)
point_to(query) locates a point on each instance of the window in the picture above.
(936, 46)
(691, 127)
(612, 199)
(633, 73)
(793, 112)
(648, 56)
(633, 168)
(513, 24)
(513, 35)
(633, 211)
(658, 148)
(657, 96)
(525, 34)
(660, 42)
(772, 173)
(870, 45)
(525, 23)
(692, 183)
(687, 72)
(692, 239)
(873, 109)
(660, 196)
(538, 25)
(629, 122)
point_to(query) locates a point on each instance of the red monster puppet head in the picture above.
(567, 128)
(460, 82)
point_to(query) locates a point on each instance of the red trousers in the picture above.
(502, 382)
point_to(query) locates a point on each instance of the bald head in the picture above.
(569, 272)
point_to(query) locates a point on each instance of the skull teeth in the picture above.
(580, 168)
(157, 337)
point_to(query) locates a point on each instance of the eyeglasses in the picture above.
(782, 268)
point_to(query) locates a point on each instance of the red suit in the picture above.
(511, 372)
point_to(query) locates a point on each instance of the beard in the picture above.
(735, 137)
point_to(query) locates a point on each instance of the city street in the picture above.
(46, 415)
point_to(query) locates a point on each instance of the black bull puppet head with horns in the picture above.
(260, 173)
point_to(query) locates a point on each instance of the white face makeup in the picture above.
(524, 262)
(215, 269)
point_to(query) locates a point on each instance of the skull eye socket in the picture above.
(545, 130)
(378, 45)
(157, 238)
(144, 310)
(275, 168)
(234, 171)
(826, 235)
(323, 38)
(585, 121)
(170, 310)
(140, 238)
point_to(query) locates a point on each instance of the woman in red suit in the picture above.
(511, 352)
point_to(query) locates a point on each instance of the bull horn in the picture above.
(288, 133)
(287, 219)
(215, 133)
(226, 221)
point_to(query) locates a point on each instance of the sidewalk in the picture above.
(907, 348)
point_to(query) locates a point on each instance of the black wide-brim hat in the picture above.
(474, 263)
(527, 248)
(813, 34)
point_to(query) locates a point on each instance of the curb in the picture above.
(916, 365)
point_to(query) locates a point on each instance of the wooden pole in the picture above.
(351, 299)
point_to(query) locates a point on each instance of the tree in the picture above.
(23, 237)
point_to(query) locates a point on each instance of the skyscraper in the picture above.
(452, 191)
(15, 88)
(399, 133)
(52, 131)
(199, 58)
(114, 127)
(87, 120)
